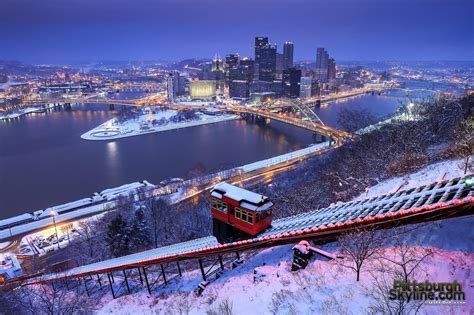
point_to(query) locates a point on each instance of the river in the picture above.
(44, 162)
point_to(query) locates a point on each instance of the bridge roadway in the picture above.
(425, 203)
(337, 135)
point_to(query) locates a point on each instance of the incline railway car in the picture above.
(237, 212)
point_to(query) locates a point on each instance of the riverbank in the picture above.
(27, 110)
(149, 123)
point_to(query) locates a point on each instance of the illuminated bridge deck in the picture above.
(428, 202)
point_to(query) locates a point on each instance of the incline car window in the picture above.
(219, 205)
(243, 215)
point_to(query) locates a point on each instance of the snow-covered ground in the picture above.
(113, 129)
(265, 283)
(24, 111)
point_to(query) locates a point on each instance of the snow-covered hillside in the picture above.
(265, 284)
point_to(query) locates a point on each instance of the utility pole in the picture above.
(53, 214)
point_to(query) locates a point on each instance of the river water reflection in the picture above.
(44, 162)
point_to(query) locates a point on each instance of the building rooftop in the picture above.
(237, 193)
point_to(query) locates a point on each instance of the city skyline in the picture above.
(165, 30)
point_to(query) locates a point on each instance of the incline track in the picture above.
(429, 202)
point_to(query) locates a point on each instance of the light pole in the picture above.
(53, 214)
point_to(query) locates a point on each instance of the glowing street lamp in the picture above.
(53, 214)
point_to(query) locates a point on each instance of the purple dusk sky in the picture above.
(58, 31)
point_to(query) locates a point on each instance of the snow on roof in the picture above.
(239, 194)
(16, 219)
(61, 217)
(216, 194)
(66, 206)
(252, 207)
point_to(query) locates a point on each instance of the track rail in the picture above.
(424, 203)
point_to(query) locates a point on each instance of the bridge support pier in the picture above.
(112, 107)
(318, 138)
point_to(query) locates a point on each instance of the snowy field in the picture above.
(141, 125)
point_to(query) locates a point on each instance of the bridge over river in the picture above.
(309, 119)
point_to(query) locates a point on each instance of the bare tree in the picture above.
(358, 246)
(464, 140)
(378, 292)
(49, 299)
(355, 118)
(405, 256)
(156, 210)
(401, 259)
(87, 230)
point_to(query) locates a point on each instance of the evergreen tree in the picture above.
(139, 231)
(118, 237)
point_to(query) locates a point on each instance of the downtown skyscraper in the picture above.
(322, 64)
(260, 42)
(288, 55)
(267, 63)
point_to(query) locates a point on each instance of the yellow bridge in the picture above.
(309, 120)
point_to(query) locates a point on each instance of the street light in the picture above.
(53, 214)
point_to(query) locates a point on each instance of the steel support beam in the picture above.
(140, 275)
(85, 285)
(179, 269)
(202, 269)
(221, 262)
(146, 280)
(110, 285)
(163, 273)
(126, 281)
